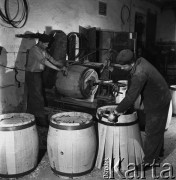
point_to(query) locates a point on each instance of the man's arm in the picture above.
(53, 61)
(50, 65)
(43, 58)
(137, 83)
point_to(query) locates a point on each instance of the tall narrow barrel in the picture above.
(18, 144)
(120, 143)
(77, 83)
(71, 144)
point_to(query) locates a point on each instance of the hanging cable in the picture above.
(20, 17)
(16, 73)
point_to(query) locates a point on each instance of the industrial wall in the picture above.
(166, 26)
(65, 15)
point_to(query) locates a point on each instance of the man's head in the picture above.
(125, 59)
(44, 39)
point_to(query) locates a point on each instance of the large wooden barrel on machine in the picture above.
(71, 143)
(77, 83)
(19, 144)
(120, 142)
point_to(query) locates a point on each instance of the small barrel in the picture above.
(71, 144)
(19, 144)
(119, 141)
(173, 94)
(78, 83)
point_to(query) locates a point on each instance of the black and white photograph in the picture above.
(87, 89)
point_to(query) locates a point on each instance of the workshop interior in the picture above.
(87, 36)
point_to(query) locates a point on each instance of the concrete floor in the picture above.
(43, 171)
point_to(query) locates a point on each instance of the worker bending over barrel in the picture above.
(37, 59)
(147, 81)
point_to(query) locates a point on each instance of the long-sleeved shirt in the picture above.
(35, 59)
(147, 81)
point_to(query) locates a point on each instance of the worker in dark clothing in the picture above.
(37, 59)
(146, 81)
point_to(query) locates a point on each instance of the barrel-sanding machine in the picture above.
(79, 89)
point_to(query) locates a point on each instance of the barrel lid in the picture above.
(71, 118)
(15, 119)
(104, 111)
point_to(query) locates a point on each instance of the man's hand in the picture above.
(113, 116)
(64, 71)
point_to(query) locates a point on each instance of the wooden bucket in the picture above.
(119, 143)
(71, 144)
(77, 83)
(173, 94)
(18, 144)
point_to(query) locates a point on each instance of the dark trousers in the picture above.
(35, 98)
(155, 123)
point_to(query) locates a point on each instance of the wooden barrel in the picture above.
(173, 94)
(119, 143)
(71, 144)
(18, 144)
(77, 83)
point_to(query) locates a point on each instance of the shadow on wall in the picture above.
(12, 85)
(20, 63)
(8, 100)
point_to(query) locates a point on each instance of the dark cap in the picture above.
(44, 38)
(125, 56)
